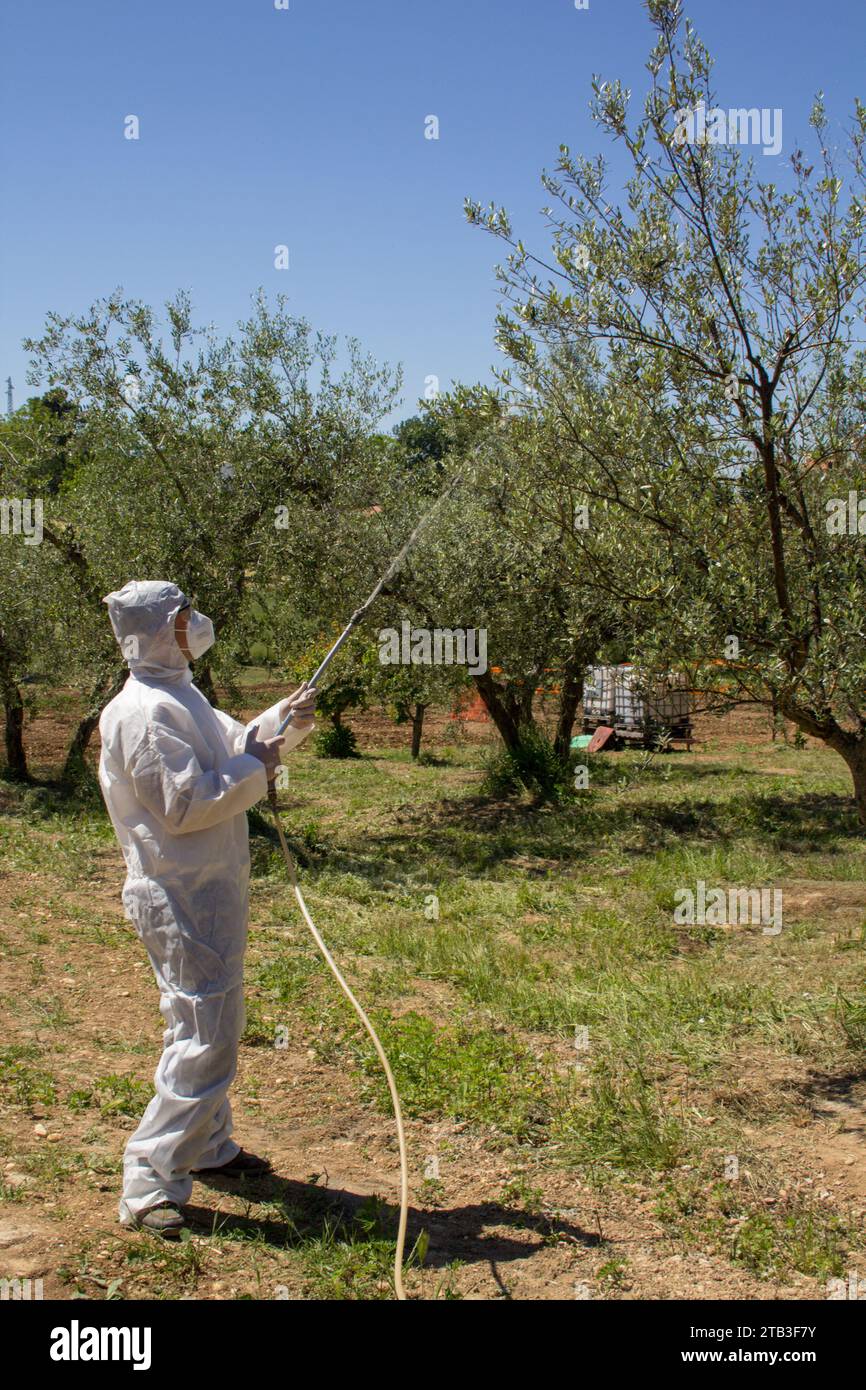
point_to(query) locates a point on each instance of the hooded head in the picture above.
(142, 614)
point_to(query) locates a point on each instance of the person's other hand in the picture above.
(267, 750)
(303, 706)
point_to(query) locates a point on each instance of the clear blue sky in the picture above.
(306, 127)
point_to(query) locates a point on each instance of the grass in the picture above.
(113, 1095)
(796, 1236)
(547, 921)
(21, 1083)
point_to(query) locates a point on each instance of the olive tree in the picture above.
(202, 460)
(698, 345)
(492, 567)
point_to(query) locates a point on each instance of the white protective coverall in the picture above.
(177, 784)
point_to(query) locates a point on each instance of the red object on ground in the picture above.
(471, 708)
(599, 739)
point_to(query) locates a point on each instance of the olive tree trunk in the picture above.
(105, 689)
(13, 717)
(417, 728)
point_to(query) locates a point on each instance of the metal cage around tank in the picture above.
(639, 708)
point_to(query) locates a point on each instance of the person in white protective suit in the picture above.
(178, 777)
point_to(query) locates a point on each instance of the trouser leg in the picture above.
(220, 1148)
(188, 1123)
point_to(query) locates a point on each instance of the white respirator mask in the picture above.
(200, 635)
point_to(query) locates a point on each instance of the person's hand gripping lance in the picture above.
(299, 711)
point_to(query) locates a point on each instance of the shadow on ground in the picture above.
(300, 1213)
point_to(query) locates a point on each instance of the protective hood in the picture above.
(142, 614)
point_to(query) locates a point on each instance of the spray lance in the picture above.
(356, 618)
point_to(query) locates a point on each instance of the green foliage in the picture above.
(851, 1013)
(696, 381)
(422, 439)
(113, 1095)
(626, 1124)
(480, 1076)
(345, 687)
(532, 765)
(43, 433)
(285, 978)
(22, 1082)
(353, 1256)
(338, 741)
(229, 466)
(258, 1031)
(794, 1235)
(808, 1240)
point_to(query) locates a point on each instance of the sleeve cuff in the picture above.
(269, 722)
(295, 736)
(245, 768)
